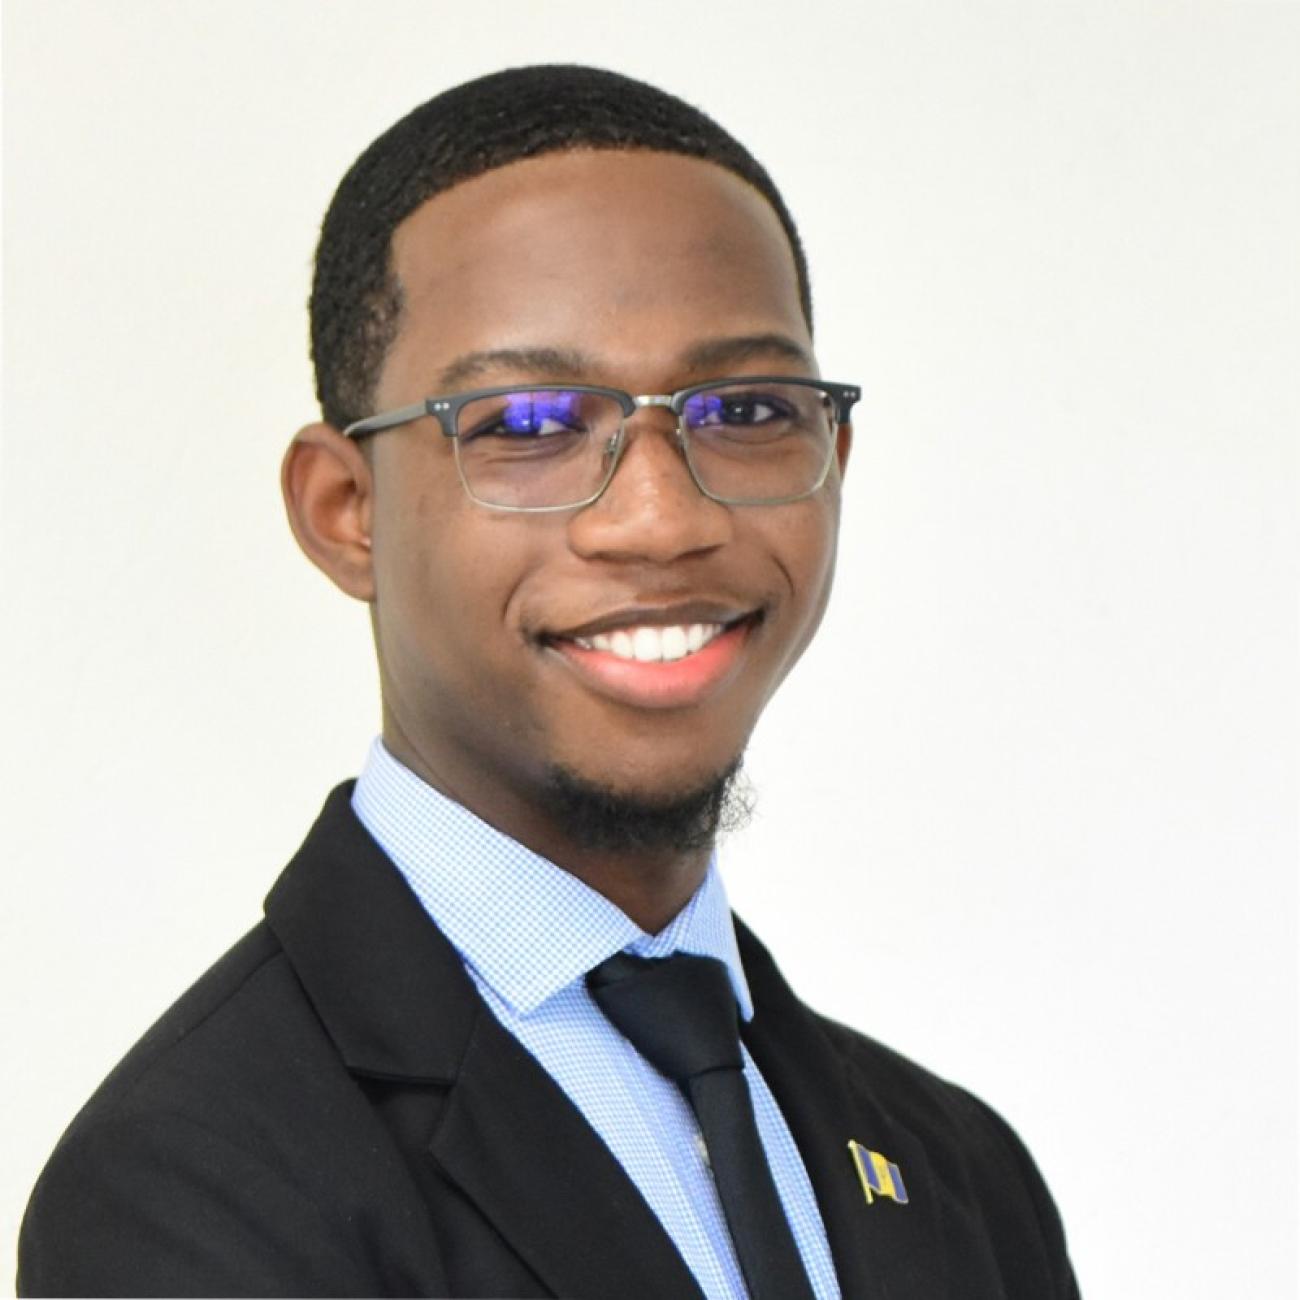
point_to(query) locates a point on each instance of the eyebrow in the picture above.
(538, 363)
(715, 354)
(711, 356)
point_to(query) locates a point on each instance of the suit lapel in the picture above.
(882, 1251)
(519, 1149)
(395, 999)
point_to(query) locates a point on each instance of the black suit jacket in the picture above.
(333, 1110)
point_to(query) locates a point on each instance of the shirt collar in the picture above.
(527, 927)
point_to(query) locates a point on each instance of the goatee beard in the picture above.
(601, 818)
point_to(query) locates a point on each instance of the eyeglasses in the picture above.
(760, 440)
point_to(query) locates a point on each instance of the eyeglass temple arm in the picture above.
(389, 420)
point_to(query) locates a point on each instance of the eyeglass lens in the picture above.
(534, 448)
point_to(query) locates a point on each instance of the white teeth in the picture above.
(650, 645)
(647, 644)
(673, 643)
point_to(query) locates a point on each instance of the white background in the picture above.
(1028, 805)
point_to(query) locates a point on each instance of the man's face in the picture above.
(641, 271)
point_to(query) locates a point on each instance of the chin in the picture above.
(639, 817)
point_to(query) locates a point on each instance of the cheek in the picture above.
(420, 575)
(447, 573)
(804, 544)
(412, 548)
(420, 517)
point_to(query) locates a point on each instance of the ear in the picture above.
(328, 493)
(843, 445)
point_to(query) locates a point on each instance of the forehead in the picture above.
(618, 254)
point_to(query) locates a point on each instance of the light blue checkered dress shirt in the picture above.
(528, 932)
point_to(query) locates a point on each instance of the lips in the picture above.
(657, 658)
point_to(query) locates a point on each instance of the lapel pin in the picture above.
(880, 1177)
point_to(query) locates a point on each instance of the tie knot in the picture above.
(679, 1012)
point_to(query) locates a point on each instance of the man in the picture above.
(576, 456)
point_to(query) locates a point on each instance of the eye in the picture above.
(735, 412)
(526, 416)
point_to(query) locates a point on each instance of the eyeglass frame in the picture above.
(447, 407)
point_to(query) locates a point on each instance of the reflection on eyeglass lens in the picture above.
(533, 415)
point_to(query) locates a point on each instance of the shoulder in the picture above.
(930, 1105)
(934, 1108)
(184, 1168)
(914, 1096)
(237, 1027)
(974, 1154)
(966, 1161)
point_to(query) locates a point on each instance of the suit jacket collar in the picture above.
(390, 991)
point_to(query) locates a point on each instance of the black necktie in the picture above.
(680, 1014)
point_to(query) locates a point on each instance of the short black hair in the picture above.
(476, 127)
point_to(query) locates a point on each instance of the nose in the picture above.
(652, 510)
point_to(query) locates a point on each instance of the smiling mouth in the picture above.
(646, 633)
(658, 664)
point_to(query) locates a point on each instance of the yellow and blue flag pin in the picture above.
(880, 1177)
